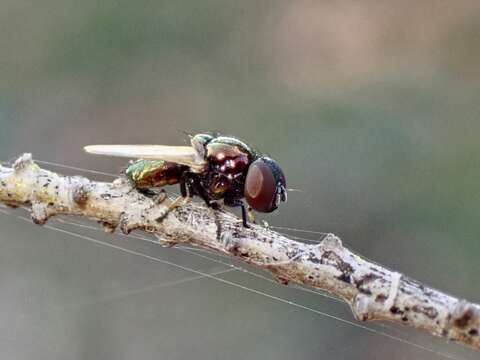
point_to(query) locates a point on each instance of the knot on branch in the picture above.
(80, 194)
(361, 307)
(231, 244)
(41, 212)
(331, 242)
(366, 307)
(23, 162)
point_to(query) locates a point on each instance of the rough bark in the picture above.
(372, 291)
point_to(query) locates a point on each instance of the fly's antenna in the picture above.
(294, 190)
(184, 132)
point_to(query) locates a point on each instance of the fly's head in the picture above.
(265, 185)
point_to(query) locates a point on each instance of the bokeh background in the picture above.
(372, 109)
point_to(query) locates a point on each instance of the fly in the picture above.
(214, 168)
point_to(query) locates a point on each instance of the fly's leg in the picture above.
(179, 201)
(240, 204)
(148, 192)
(184, 198)
(200, 190)
(251, 215)
(160, 197)
(157, 196)
(185, 191)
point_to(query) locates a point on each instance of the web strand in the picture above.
(203, 253)
(76, 168)
(202, 274)
(194, 251)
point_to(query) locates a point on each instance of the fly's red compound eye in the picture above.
(263, 184)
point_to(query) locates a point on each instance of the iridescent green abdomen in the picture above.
(154, 173)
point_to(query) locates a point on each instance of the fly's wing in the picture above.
(184, 155)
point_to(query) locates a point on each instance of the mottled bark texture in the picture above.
(373, 292)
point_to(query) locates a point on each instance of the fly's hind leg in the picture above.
(184, 198)
(157, 196)
(200, 191)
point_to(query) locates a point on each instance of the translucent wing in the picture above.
(185, 155)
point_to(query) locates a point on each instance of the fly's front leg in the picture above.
(240, 204)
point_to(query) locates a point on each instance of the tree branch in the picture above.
(373, 292)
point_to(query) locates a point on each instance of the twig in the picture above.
(373, 292)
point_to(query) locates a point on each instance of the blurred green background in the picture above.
(371, 108)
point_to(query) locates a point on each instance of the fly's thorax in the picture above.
(227, 159)
(154, 173)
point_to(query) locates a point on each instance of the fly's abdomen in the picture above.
(154, 173)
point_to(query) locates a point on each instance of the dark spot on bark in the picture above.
(381, 298)
(429, 293)
(313, 258)
(364, 317)
(473, 332)
(463, 321)
(281, 280)
(365, 280)
(4, 183)
(404, 318)
(310, 277)
(234, 250)
(108, 227)
(345, 278)
(365, 291)
(407, 308)
(329, 257)
(395, 310)
(444, 333)
(292, 254)
(377, 271)
(428, 311)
